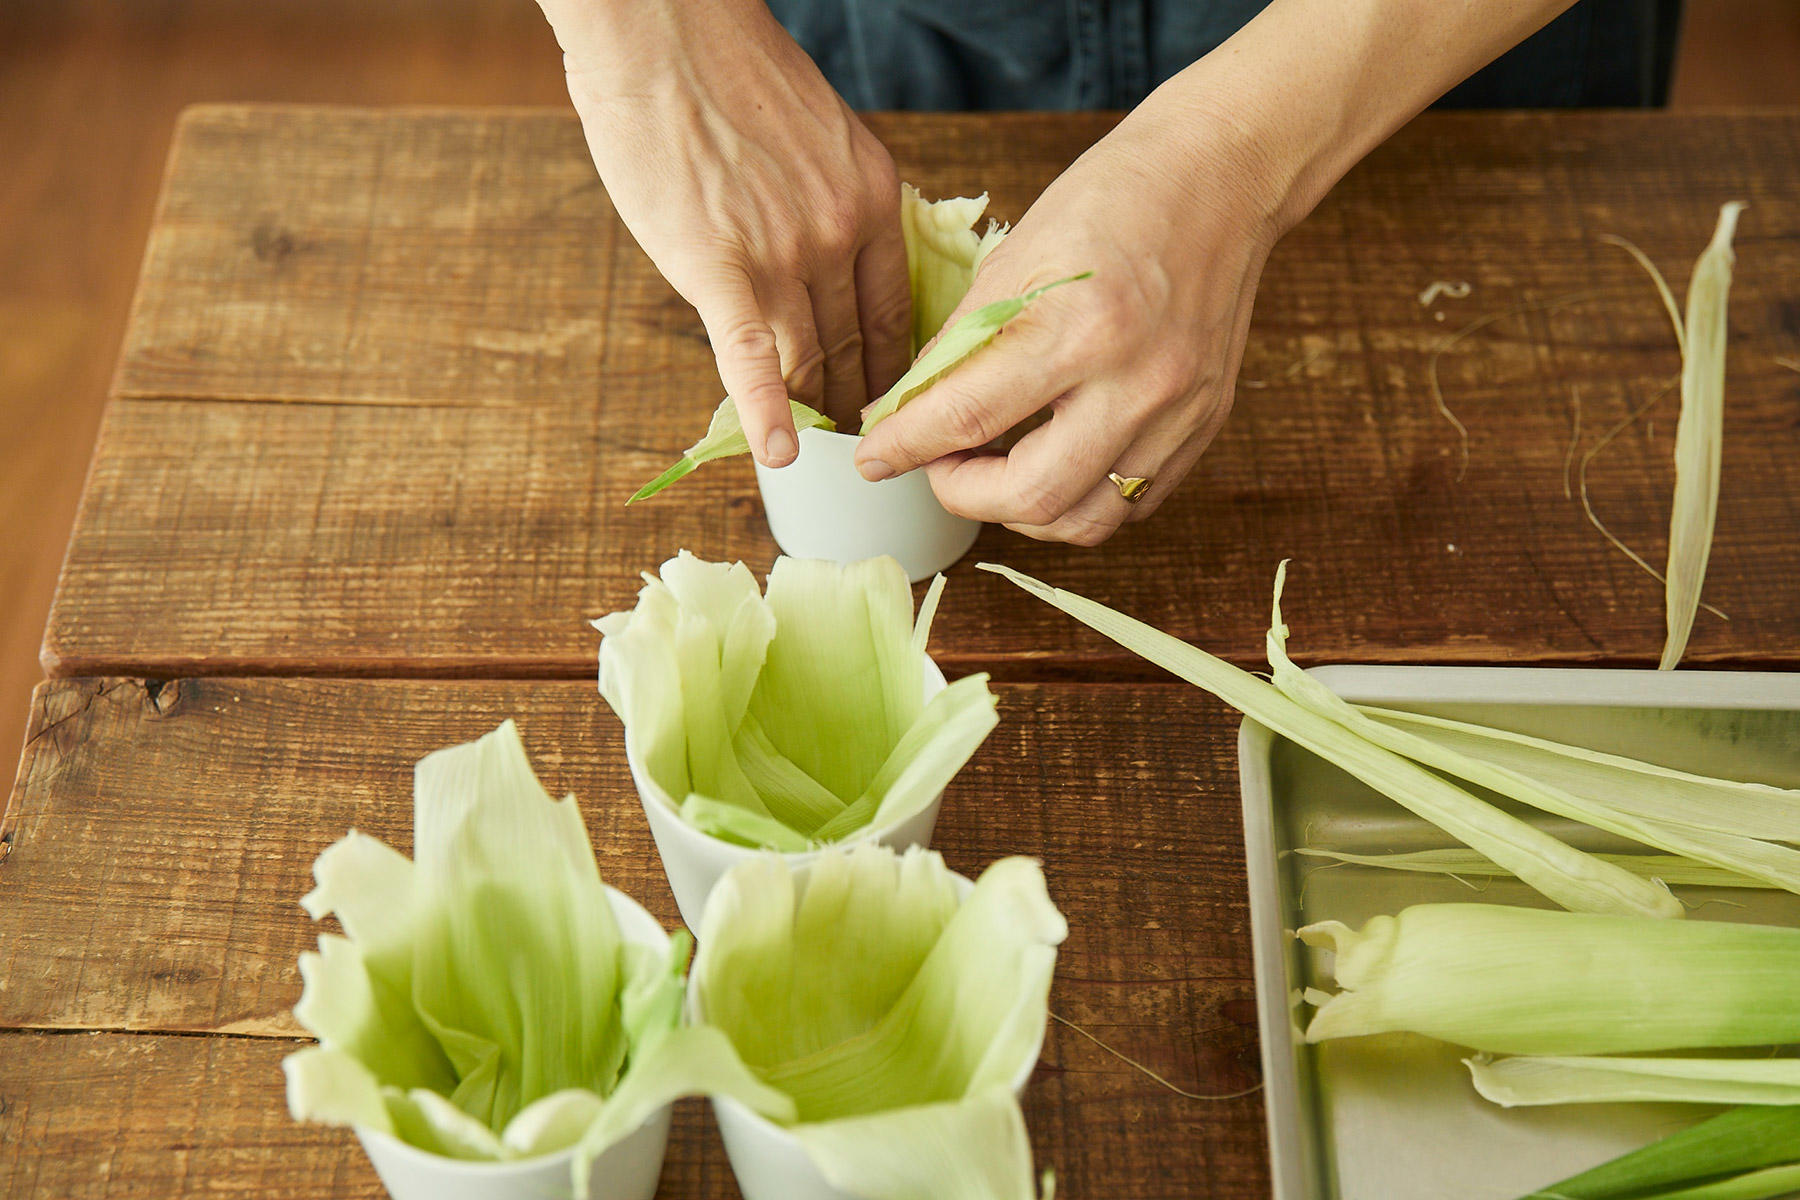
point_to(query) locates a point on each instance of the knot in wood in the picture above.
(162, 695)
(271, 243)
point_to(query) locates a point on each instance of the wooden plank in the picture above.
(368, 257)
(111, 79)
(159, 836)
(321, 539)
(118, 1115)
(129, 1117)
(350, 515)
(112, 1116)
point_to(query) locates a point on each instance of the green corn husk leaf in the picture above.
(1576, 1079)
(1644, 897)
(683, 664)
(943, 252)
(1775, 864)
(740, 826)
(1644, 789)
(1770, 1183)
(844, 639)
(943, 737)
(970, 333)
(1511, 980)
(789, 720)
(725, 438)
(484, 1004)
(1698, 436)
(1668, 868)
(794, 799)
(1734, 1144)
(972, 1149)
(892, 1014)
(1564, 874)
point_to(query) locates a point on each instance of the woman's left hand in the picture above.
(1135, 367)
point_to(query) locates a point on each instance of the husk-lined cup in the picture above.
(694, 861)
(761, 932)
(627, 1170)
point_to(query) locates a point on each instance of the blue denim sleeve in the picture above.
(959, 55)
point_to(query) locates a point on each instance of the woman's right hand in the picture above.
(756, 192)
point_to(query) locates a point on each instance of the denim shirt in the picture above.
(951, 55)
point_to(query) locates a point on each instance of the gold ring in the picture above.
(1130, 487)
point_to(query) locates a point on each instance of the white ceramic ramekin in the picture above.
(818, 506)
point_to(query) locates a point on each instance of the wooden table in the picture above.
(390, 376)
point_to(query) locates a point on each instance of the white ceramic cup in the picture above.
(628, 1170)
(819, 506)
(694, 861)
(768, 1160)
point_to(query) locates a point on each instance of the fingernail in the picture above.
(874, 470)
(780, 449)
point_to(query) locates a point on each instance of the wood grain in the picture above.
(434, 261)
(109, 1116)
(160, 834)
(135, 1117)
(113, 76)
(89, 92)
(370, 530)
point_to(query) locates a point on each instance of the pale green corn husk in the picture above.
(1649, 898)
(1776, 864)
(1737, 1145)
(1698, 435)
(894, 1016)
(1527, 981)
(1700, 802)
(943, 252)
(1770, 1183)
(971, 1149)
(972, 331)
(788, 720)
(1668, 868)
(725, 438)
(1564, 874)
(483, 1004)
(1536, 1080)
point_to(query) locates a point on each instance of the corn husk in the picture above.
(725, 438)
(943, 252)
(483, 1004)
(892, 1014)
(1666, 868)
(1699, 802)
(1770, 1183)
(971, 332)
(788, 720)
(1537, 1080)
(1566, 875)
(1512, 980)
(1644, 896)
(1735, 1145)
(1776, 864)
(1698, 436)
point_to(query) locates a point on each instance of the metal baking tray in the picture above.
(1394, 1117)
